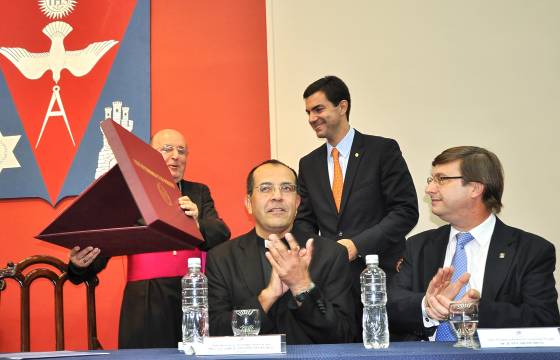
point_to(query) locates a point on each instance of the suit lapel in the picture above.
(500, 256)
(321, 170)
(354, 158)
(187, 189)
(434, 253)
(252, 270)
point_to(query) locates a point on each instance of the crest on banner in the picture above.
(60, 74)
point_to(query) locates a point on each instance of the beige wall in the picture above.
(431, 74)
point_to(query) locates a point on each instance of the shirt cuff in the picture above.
(428, 322)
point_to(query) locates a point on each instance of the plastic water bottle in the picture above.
(374, 297)
(195, 306)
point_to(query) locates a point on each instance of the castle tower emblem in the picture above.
(106, 158)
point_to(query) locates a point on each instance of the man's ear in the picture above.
(343, 104)
(477, 190)
(248, 205)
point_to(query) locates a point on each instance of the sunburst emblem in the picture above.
(57, 9)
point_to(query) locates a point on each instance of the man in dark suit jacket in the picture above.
(508, 269)
(378, 204)
(302, 289)
(151, 311)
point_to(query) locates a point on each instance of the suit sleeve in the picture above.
(400, 201)
(405, 300)
(535, 302)
(220, 283)
(306, 221)
(219, 298)
(213, 229)
(78, 275)
(327, 315)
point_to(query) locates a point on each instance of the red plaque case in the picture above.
(131, 209)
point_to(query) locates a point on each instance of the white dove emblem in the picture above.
(78, 62)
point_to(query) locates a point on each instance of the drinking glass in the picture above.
(463, 317)
(245, 322)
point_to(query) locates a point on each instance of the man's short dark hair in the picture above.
(478, 165)
(251, 180)
(334, 88)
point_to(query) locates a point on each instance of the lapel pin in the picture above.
(502, 255)
(356, 154)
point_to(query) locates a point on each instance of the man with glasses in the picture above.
(476, 256)
(300, 286)
(151, 308)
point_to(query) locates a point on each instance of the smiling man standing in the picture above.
(301, 287)
(355, 189)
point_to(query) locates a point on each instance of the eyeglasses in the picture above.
(269, 188)
(441, 180)
(166, 149)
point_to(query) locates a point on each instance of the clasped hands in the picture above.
(350, 247)
(441, 291)
(289, 269)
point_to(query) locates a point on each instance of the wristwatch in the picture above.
(304, 294)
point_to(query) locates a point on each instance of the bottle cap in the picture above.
(372, 259)
(193, 262)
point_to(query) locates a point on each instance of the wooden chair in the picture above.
(57, 277)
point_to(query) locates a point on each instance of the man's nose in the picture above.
(276, 193)
(431, 188)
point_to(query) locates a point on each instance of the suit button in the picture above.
(321, 306)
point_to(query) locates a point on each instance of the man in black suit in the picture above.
(508, 269)
(151, 308)
(301, 288)
(377, 206)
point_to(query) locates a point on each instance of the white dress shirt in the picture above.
(476, 251)
(343, 147)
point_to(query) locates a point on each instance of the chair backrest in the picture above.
(25, 277)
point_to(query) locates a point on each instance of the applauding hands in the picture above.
(290, 269)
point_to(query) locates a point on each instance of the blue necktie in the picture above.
(459, 262)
